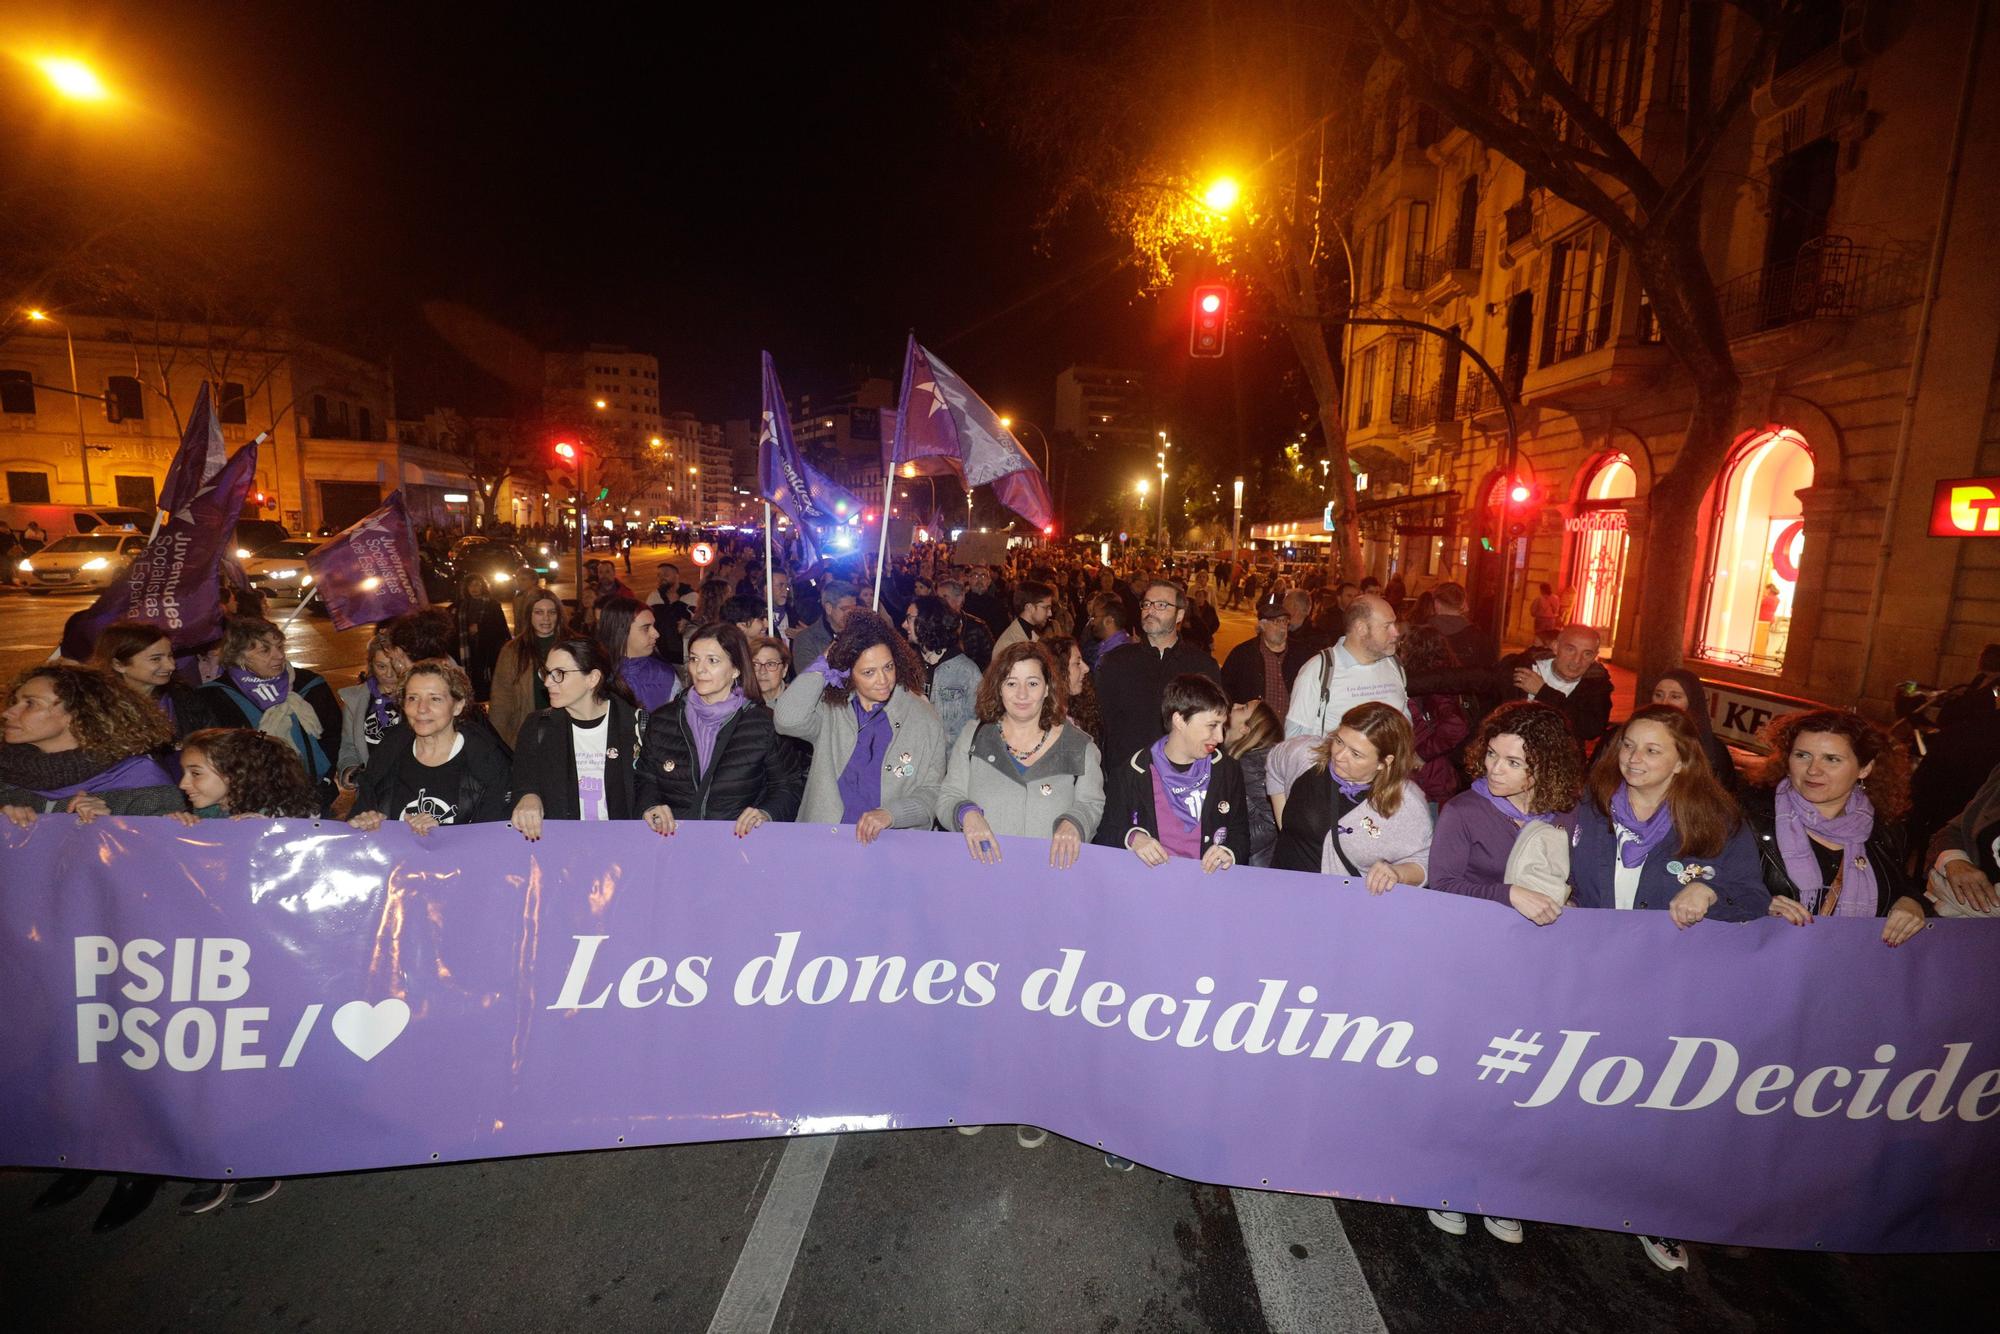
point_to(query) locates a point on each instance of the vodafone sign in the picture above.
(1966, 507)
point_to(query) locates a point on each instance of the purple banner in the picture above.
(172, 581)
(276, 998)
(370, 570)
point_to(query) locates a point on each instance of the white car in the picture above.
(279, 570)
(85, 562)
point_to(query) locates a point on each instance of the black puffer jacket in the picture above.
(545, 762)
(751, 765)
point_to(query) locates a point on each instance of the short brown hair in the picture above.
(454, 677)
(1887, 784)
(241, 633)
(1389, 732)
(121, 641)
(1555, 764)
(988, 706)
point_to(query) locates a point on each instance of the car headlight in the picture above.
(284, 574)
(97, 563)
(502, 577)
(305, 582)
(27, 566)
(242, 554)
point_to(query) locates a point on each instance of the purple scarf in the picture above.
(386, 717)
(651, 681)
(132, 771)
(1186, 789)
(705, 722)
(1646, 834)
(1352, 791)
(860, 784)
(1506, 807)
(266, 692)
(1798, 819)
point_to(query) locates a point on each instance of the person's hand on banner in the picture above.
(367, 822)
(1691, 905)
(527, 817)
(979, 839)
(188, 818)
(421, 823)
(24, 816)
(750, 819)
(1381, 878)
(1534, 905)
(1970, 886)
(1790, 910)
(660, 819)
(86, 807)
(1065, 846)
(871, 824)
(1217, 858)
(1905, 919)
(1148, 848)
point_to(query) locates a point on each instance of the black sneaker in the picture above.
(207, 1197)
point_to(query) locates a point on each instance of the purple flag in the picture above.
(370, 571)
(200, 457)
(943, 425)
(270, 998)
(173, 581)
(822, 512)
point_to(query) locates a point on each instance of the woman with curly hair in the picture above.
(932, 626)
(1067, 654)
(77, 741)
(432, 770)
(140, 656)
(231, 773)
(1356, 811)
(1439, 721)
(1020, 767)
(878, 748)
(1827, 808)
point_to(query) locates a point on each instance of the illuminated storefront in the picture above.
(1601, 543)
(1758, 535)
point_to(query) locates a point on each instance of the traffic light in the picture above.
(566, 452)
(1523, 500)
(1210, 327)
(1048, 530)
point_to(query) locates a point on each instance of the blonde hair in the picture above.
(1389, 732)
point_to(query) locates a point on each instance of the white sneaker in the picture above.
(970, 1130)
(1665, 1252)
(1507, 1229)
(1447, 1220)
(1030, 1137)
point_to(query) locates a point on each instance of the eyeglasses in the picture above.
(772, 666)
(555, 675)
(1161, 606)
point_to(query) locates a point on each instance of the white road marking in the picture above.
(757, 1285)
(1325, 1290)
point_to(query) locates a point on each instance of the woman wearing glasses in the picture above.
(575, 759)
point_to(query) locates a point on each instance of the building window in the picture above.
(1597, 561)
(1583, 276)
(1378, 257)
(134, 493)
(319, 418)
(367, 424)
(125, 401)
(231, 407)
(1758, 536)
(28, 488)
(1403, 381)
(1607, 60)
(343, 420)
(1416, 236)
(17, 392)
(1364, 391)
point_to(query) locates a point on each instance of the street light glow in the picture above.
(38, 316)
(73, 79)
(1144, 485)
(1222, 194)
(1006, 423)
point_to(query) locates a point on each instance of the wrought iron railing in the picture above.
(1830, 278)
(1461, 250)
(1474, 397)
(1400, 409)
(1520, 220)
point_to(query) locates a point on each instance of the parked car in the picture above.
(67, 520)
(84, 561)
(279, 570)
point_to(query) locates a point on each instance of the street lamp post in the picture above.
(1236, 533)
(76, 397)
(1165, 445)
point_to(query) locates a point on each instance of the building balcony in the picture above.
(1589, 366)
(1437, 419)
(1452, 269)
(1778, 313)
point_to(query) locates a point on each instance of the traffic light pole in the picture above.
(1506, 405)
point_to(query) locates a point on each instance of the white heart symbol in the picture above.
(367, 1030)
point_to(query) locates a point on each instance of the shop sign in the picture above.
(1609, 521)
(1738, 713)
(1966, 507)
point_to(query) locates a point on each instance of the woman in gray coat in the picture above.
(878, 749)
(1019, 768)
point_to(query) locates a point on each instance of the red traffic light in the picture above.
(1048, 530)
(566, 451)
(1519, 493)
(1210, 328)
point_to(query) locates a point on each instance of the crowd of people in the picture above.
(1358, 733)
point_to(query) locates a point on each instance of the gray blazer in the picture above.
(908, 784)
(1065, 784)
(353, 718)
(955, 693)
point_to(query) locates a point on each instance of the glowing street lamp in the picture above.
(1222, 194)
(73, 79)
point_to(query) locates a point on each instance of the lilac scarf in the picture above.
(1798, 819)
(386, 716)
(266, 692)
(1352, 791)
(860, 784)
(705, 722)
(1186, 789)
(1508, 808)
(1646, 834)
(132, 771)
(651, 681)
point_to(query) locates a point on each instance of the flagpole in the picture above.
(770, 593)
(304, 602)
(882, 551)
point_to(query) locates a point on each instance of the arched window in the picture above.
(1758, 536)
(1597, 560)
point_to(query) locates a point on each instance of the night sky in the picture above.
(812, 182)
